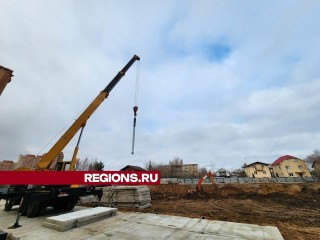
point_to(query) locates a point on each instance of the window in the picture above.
(291, 174)
(287, 167)
(264, 172)
(300, 166)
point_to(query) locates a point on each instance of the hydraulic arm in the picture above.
(80, 122)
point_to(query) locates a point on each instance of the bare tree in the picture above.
(165, 170)
(315, 156)
(176, 161)
(86, 164)
(239, 172)
(202, 172)
(149, 165)
(176, 167)
(173, 169)
(82, 164)
(96, 166)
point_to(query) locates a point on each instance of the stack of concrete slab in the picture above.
(126, 196)
(80, 218)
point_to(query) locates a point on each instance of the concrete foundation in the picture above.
(137, 226)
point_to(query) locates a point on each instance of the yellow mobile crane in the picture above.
(80, 124)
(38, 198)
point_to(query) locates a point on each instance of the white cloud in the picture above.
(259, 102)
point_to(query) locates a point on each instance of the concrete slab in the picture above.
(67, 221)
(57, 227)
(140, 226)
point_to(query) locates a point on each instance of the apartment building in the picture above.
(57, 159)
(7, 165)
(190, 169)
(179, 170)
(30, 161)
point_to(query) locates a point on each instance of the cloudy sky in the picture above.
(221, 82)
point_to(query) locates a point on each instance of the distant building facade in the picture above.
(57, 159)
(179, 170)
(7, 165)
(290, 166)
(191, 170)
(257, 170)
(271, 171)
(30, 161)
(222, 173)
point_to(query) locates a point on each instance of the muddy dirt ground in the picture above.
(294, 209)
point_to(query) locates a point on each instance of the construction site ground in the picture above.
(294, 208)
(131, 226)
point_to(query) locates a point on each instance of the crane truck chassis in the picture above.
(34, 199)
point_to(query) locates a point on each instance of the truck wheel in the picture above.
(8, 205)
(43, 206)
(56, 207)
(33, 209)
(68, 206)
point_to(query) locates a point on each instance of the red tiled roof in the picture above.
(281, 159)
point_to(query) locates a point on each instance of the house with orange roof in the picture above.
(290, 166)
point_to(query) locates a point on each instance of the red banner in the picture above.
(79, 177)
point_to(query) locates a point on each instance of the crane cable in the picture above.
(62, 129)
(135, 108)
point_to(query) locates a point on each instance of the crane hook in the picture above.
(135, 109)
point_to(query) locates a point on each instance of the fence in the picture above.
(241, 180)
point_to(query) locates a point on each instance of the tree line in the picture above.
(169, 169)
(172, 168)
(89, 165)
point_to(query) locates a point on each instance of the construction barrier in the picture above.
(218, 180)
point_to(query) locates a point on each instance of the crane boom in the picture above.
(80, 122)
